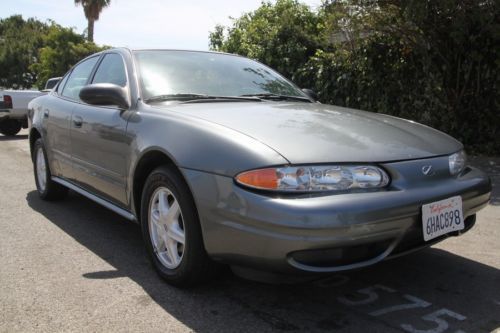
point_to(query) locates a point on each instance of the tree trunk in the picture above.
(90, 30)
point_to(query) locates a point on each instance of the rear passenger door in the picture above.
(57, 116)
(100, 146)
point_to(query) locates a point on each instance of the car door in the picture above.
(100, 146)
(57, 111)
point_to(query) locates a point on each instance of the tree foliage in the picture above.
(32, 51)
(435, 62)
(281, 35)
(62, 49)
(19, 44)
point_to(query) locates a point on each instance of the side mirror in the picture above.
(311, 93)
(105, 94)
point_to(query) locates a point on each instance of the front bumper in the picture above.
(328, 233)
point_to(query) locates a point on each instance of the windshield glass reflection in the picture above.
(181, 72)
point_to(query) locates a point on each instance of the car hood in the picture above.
(318, 133)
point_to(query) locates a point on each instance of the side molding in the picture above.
(102, 202)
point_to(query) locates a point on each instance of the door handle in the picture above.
(77, 121)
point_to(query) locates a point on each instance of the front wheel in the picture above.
(47, 189)
(10, 127)
(171, 229)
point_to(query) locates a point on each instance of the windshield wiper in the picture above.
(193, 97)
(278, 97)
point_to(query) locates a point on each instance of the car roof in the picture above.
(132, 50)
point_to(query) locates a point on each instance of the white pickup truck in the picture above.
(14, 107)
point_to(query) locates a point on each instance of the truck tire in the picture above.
(10, 127)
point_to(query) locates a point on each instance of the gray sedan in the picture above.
(223, 161)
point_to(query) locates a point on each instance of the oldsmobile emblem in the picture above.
(427, 170)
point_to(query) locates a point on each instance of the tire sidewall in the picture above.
(10, 127)
(166, 177)
(37, 146)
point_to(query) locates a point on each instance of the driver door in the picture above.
(100, 145)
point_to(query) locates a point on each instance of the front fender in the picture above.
(194, 143)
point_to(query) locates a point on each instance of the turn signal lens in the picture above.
(261, 179)
(315, 178)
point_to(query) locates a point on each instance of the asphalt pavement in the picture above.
(75, 266)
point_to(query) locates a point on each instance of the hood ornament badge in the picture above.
(427, 170)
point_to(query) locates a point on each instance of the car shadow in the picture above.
(13, 138)
(437, 276)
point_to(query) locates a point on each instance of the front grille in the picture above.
(341, 256)
(347, 255)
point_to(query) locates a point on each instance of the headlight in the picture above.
(315, 178)
(457, 162)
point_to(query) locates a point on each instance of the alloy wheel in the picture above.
(166, 228)
(41, 171)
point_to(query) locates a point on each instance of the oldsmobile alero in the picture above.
(222, 160)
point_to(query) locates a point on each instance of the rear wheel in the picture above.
(171, 229)
(47, 189)
(10, 127)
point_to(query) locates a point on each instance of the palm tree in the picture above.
(92, 9)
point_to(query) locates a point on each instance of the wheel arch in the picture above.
(148, 161)
(33, 136)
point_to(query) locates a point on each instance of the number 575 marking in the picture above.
(371, 296)
(442, 325)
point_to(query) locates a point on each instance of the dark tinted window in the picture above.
(51, 83)
(78, 78)
(111, 70)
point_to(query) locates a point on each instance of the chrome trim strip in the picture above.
(102, 202)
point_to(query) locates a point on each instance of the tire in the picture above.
(186, 264)
(10, 127)
(46, 188)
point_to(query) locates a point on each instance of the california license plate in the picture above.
(442, 217)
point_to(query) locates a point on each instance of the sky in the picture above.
(142, 24)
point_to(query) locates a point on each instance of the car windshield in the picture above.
(170, 73)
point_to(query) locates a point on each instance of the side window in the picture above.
(78, 78)
(60, 87)
(111, 70)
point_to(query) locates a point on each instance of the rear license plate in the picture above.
(442, 217)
